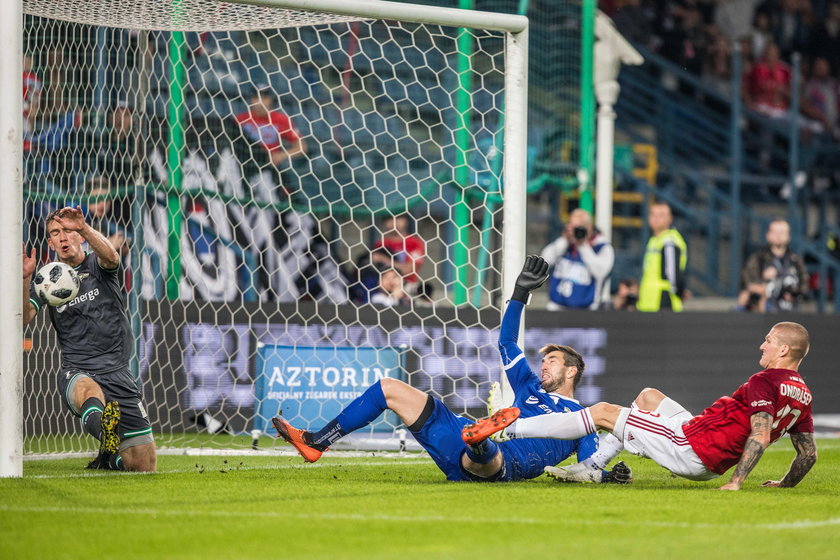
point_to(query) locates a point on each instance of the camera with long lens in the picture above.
(580, 233)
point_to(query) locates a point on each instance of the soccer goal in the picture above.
(307, 195)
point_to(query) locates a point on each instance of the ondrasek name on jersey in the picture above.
(796, 393)
(87, 296)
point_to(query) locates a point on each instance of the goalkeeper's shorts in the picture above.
(134, 427)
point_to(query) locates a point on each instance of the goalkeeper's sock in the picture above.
(482, 452)
(359, 413)
(562, 425)
(92, 417)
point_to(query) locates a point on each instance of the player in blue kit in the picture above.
(96, 343)
(438, 429)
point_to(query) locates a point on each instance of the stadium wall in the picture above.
(203, 356)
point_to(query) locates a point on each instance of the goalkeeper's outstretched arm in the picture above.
(533, 275)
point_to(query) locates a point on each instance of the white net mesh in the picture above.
(251, 180)
(176, 15)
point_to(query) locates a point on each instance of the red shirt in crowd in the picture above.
(270, 131)
(769, 85)
(405, 249)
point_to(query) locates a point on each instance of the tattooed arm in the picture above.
(806, 456)
(753, 450)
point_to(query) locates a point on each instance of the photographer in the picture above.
(774, 278)
(581, 260)
(626, 296)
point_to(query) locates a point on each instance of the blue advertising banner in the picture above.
(311, 384)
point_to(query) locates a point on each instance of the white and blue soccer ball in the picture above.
(56, 283)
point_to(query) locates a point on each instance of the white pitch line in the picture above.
(334, 457)
(229, 467)
(285, 514)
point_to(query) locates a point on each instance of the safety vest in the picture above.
(653, 284)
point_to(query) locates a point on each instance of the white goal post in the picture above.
(395, 128)
(11, 331)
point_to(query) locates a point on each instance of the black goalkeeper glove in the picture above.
(620, 474)
(533, 275)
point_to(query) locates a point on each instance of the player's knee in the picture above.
(604, 414)
(145, 463)
(649, 398)
(392, 388)
(601, 407)
(86, 388)
(140, 458)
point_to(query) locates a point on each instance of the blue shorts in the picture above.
(440, 436)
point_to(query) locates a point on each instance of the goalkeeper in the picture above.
(95, 337)
(438, 429)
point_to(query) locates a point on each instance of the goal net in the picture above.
(305, 202)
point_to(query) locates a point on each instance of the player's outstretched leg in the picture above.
(363, 410)
(483, 428)
(298, 438)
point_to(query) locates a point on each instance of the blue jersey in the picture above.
(571, 283)
(526, 458)
(440, 435)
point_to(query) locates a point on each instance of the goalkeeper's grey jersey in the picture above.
(93, 329)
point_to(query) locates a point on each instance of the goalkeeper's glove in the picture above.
(533, 275)
(620, 474)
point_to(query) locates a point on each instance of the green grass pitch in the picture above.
(383, 506)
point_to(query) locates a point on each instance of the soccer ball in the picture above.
(56, 283)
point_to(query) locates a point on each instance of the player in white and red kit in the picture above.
(733, 431)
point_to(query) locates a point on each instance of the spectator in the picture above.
(663, 271)
(767, 91)
(825, 38)
(35, 210)
(790, 26)
(269, 127)
(768, 85)
(118, 155)
(774, 278)
(582, 260)
(761, 34)
(50, 153)
(391, 290)
(407, 250)
(821, 98)
(626, 296)
(31, 97)
(633, 21)
(717, 67)
(48, 148)
(733, 18)
(683, 36)
(104, 215)
(363, 276)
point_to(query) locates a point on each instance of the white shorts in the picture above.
(659, 436)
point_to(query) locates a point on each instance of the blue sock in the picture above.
(482, 452)
(359, 413)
